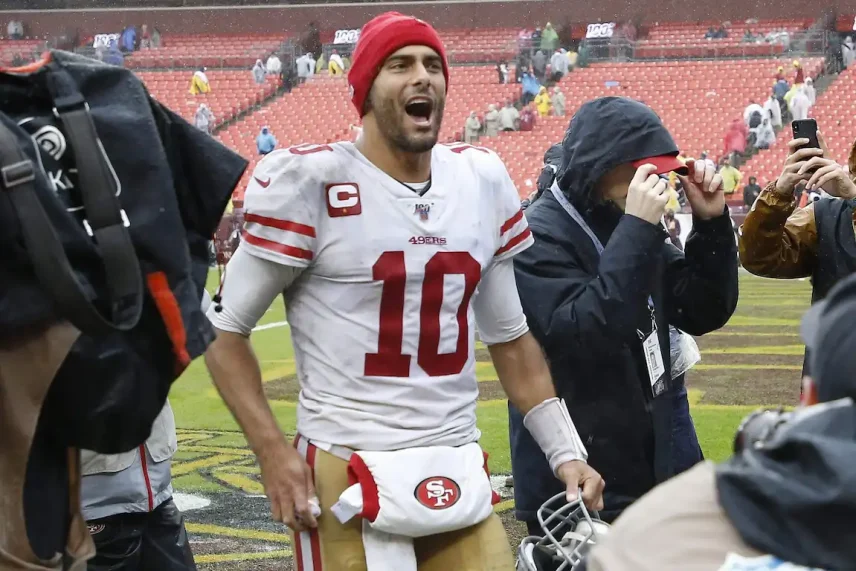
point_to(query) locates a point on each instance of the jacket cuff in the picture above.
(642, 229)
(721, 223)
(775, 199)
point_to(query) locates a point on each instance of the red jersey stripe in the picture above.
(286, 225)
(514, 241)
(511, 222)
(277, 247)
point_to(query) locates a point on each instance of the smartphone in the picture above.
(806, 129)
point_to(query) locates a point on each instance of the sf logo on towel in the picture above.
(438, 493)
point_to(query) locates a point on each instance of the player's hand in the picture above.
(288, 485)
(578, 475)
(703, 187)
(828, 175)
(647, 196)
(796, 160)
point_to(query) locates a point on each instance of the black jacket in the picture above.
(795, 496)
(585, 309)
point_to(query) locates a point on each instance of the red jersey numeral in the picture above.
(390, 361)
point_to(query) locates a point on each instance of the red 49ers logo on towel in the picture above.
(437, 493)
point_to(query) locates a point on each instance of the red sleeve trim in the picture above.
(277, 247)
(509, 224)
(514, 241)
(358, 472)
(495, 498)
(286, 225)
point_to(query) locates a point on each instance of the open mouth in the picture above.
(420, 110)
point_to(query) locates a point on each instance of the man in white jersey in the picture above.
(389, 251)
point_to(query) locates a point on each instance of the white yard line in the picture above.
(273, 325)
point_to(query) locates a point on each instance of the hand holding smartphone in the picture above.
(806, 129)
(795, 164)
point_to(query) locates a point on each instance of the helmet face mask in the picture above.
(569, 533)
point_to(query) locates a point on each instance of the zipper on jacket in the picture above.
(144, 463)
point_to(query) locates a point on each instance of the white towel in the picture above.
(416, 492)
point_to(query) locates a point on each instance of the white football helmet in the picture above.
(569, 532)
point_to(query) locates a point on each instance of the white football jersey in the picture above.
(381, 320)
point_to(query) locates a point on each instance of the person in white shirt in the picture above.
(15, 30)
(751, 109)
(508, 117)
(800, 104)
(389, 252)
(773, 110)
(810, 91)
(305, 67)
(273, 65)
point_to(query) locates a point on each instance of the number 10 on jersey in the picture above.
(390, 361)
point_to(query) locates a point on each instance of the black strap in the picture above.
(51, 265)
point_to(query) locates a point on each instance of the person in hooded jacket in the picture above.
(784, 500)
(600, 288)
(265, 142)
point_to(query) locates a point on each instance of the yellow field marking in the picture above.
(182, 468)
(277, 373)
(185, 437)
(503, 506)
(236, 480)
(692, 403)
(747, 321)
(238, 533)
(237, 557)
(244, 469)
(751, 334)
(742, 367)
(211, 432)
(757, 350)
(182, 456)
(694, 396)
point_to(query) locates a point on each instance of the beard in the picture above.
(391, 120)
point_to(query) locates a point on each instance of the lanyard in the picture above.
(574, 213)
(578, 218)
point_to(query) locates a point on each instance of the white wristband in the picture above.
(552, 428)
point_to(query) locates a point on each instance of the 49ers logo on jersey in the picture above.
(343, 199)
(438, 493)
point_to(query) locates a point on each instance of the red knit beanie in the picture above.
(382, 36)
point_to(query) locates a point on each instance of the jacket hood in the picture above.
(603, 134)
(794, 497)
(553, 156)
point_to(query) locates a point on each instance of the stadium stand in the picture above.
(687, 40)
(26, 48)
(319, 111)
(682, 91)
(480, 45)
(207, 50)
(835, 112)
(696, 99)
(232, 91)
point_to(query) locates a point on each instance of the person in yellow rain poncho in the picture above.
(199, 82)
(336, 65)
(542, 102)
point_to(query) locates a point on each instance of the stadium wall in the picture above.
(442, 13)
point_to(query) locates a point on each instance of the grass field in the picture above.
(754, 361)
